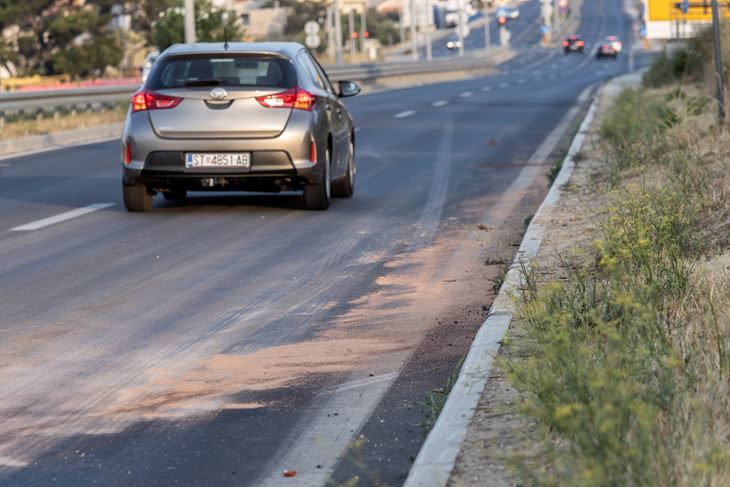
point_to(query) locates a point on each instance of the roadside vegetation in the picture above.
(626, 365)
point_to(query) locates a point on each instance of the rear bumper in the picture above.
(285, 159)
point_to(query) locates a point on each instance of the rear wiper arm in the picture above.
(204, 82)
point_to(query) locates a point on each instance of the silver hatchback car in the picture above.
(238, 117)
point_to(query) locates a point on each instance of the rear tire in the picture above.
(317, 196)
(136, 197)
(345, 187)
(175, 195)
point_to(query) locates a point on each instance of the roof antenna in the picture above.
(225, 30)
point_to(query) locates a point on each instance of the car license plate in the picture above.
(219, 159)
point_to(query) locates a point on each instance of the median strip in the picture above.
(62, 217)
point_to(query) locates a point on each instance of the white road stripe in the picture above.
(504, 85)
(61, 217)
(521, 81)
(466, 94)
(440, 103)
(486, 88)
(405, 114)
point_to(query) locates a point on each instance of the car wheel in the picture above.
(317, 196)
(175, 194)
(345, 187)
(136, 197)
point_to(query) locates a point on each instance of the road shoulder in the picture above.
(499, 438)
(480, 417)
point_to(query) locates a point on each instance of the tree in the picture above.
(57, 36)
(210, 24)
(83, 43)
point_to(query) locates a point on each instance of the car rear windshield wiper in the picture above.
(204, 82)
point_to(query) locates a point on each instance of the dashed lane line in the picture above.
(440, 103)
(62, 217)
(404, 114)
(486, 88)
(466, 94)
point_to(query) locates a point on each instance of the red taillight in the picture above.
(127, 153)
(566, 43)
(145, 100)
(292, 98)
(312, 152)
(579, 43)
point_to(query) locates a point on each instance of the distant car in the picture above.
(606, 49)
(614, 41)
(574, 43)
(149, 60)
(510, 13)
(238, 117)
(453, 45)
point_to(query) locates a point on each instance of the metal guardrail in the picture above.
(47, 100)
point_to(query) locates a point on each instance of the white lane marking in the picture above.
(467, 94)
(316, 444)
(486, 88)
(404, 114)
(440, 103)
(521, 81)
(11, 462)
(357, 129)
(504, 85)
(62, 217)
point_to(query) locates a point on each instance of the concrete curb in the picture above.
(44, 142)
(437, 457)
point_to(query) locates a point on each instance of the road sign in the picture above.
(673, 10)
(311, 28)
(312, 41)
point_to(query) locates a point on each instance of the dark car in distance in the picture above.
(574, 43)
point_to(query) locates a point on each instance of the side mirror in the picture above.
(348, 88)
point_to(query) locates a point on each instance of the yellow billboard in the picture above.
(701, 10)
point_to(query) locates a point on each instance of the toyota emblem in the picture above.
(218, 93)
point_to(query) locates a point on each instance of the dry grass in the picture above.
(59, 122)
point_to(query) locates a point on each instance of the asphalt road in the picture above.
(221, 341)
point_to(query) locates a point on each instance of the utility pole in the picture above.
(338, 31)
(414, 40)
(460, 25)
(330, 33)
(718, 63)
(487, 27)
(351, 25)
(189, 22)
(363, 27)
(547, 17)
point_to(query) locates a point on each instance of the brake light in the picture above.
(146, 100)
(292, 98)
(566, 43)
(579, 43)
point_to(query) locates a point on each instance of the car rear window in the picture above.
(222, 70)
